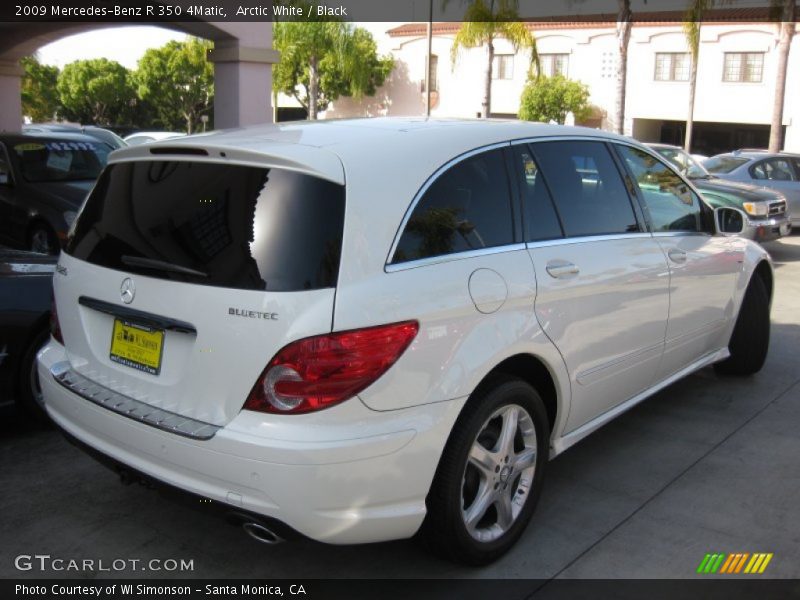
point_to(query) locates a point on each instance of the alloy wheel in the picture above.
(499, 473)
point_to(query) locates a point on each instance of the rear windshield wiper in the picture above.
(160, 265)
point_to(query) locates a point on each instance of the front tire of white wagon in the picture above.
(490, 475)
(750, 340)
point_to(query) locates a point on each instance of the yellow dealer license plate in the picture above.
(137, 346)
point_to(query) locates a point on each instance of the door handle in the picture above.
(676, 255)
(561, 269)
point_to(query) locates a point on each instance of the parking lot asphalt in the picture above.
(708, 465)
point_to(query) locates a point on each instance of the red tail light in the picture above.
(320, 371)
(55, 327)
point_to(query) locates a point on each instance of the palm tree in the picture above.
(484, 22)
(624, 15)
(786, 25)
(691, 28)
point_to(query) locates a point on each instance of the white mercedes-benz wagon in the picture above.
(361, 330)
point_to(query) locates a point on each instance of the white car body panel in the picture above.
(191, 382)
(701, 311)
(315, 472)
(607, 320)
(601, 336)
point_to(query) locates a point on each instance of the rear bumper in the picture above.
(344, 475)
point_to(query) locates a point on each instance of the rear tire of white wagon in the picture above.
(490, 475)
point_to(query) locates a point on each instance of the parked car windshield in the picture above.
(684, 162)
(59, 160)
(723, 164)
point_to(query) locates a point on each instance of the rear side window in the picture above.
(774, 169)
(212, 224)
(468, 207)
(587, 188)
(671, 204)
(539, 214)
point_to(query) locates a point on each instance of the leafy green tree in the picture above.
(178, 82)
(323, 60)
(94, 91)
(484, 22)
(551, 98)
(40, 99)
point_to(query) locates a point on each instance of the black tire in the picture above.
(750, 340)
(42, 239)
(28, 379)
(444, 530)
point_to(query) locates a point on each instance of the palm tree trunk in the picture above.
(623, 37)
(313, 87)
(487, 92)
(687, 141)
(787, 31)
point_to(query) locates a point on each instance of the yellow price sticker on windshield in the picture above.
(29, 147)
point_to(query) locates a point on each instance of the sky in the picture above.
(126, 45)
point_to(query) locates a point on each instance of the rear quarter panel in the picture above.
(457, 345)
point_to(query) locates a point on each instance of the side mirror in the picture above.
(729, 221)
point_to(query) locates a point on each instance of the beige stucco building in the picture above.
(735, 84)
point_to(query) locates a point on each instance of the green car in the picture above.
(767, 219)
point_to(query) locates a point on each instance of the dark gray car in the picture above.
(766, 210)
(777, 171)
(43, 182)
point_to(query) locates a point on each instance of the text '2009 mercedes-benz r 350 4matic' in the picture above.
(362, 330)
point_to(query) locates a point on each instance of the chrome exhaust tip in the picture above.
(261, 533)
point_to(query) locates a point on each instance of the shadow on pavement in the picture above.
(782, 251)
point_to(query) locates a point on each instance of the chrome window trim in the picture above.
(584, 239)
(129, 407)
(605, 138)
(421, 192)
(681, 234)
(444, 258)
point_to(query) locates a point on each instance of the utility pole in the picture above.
(428, 61)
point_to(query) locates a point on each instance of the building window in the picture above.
(672, 66)
(743, 66)
(554, 64)
(503, 66)
(434, 75)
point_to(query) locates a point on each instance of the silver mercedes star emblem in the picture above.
(127, 290)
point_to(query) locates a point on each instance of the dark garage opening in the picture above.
(716, 138)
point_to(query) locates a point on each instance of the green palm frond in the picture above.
(485, 21)
(692, 22)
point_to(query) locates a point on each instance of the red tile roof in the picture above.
(606, 20)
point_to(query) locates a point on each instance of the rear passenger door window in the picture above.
(670, 202)
(539, 214)
(774, 169)
(468, 207)
(586, 185)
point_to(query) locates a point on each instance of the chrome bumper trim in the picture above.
(128, 407)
